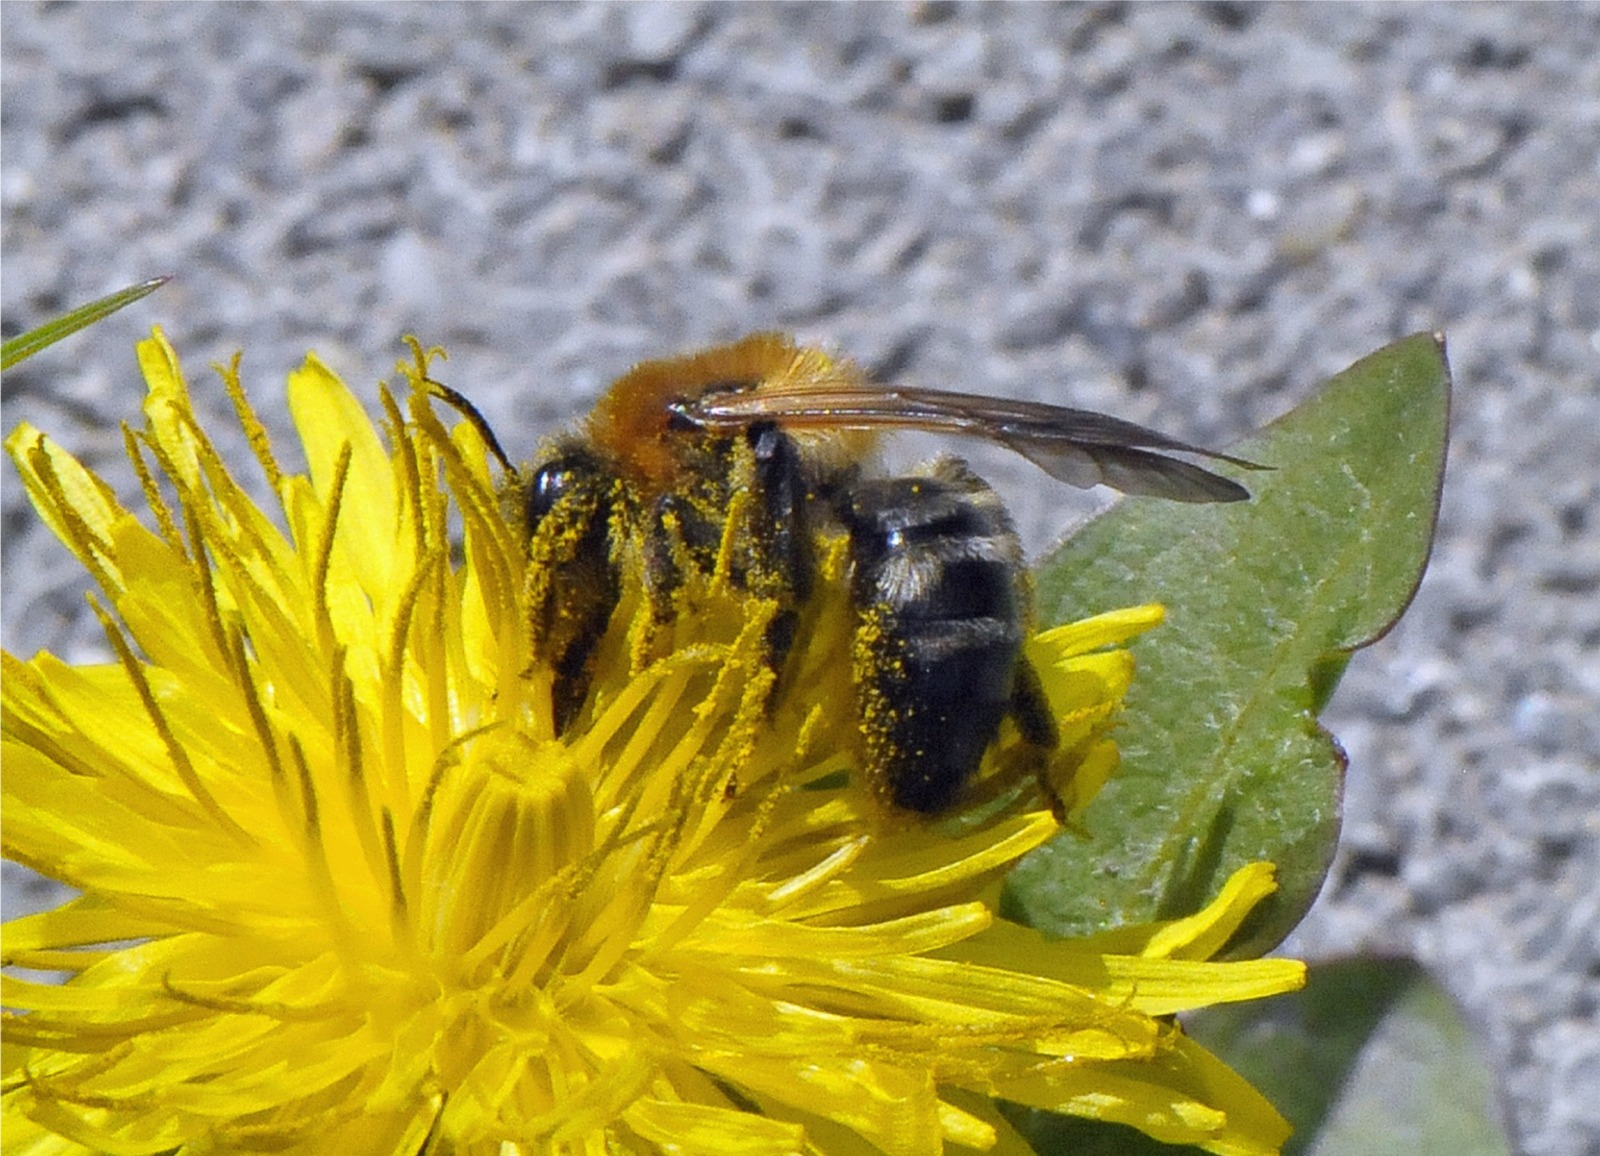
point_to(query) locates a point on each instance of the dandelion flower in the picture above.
(344, 889)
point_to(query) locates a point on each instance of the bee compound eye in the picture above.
(546, 489)
(554, 481)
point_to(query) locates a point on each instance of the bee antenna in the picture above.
(466, 409)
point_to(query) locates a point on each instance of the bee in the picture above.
(779, 433)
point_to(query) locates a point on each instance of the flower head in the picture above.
(345, 889)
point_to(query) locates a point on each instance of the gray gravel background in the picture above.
(1187, 215)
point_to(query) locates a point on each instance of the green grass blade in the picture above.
(25, 345)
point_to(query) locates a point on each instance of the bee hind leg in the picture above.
(1030, 711)
(1030, 708)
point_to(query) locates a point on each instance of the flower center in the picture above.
(510, 824)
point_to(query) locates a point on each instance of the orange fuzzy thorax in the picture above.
(632, 424)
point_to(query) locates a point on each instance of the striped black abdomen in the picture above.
(937, 582)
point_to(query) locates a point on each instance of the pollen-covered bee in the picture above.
(936, 579)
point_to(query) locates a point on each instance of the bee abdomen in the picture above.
(937, 580)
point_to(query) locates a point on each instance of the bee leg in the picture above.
(680, 540)
(780, 565)
(665, 554)
(1030, 709)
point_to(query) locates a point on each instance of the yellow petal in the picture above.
(330, 419)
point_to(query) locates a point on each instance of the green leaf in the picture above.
(1371, 1057)
(1223, 762)
(27, 344)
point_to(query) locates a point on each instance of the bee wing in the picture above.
(1076, 446)
(1131, 470)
